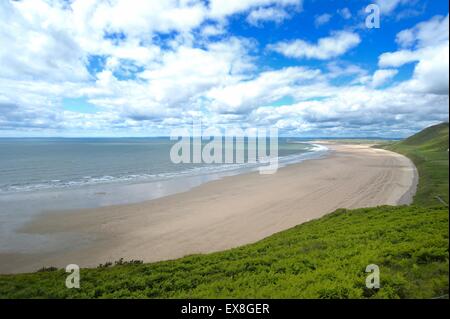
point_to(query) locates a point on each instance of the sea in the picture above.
(39, 175)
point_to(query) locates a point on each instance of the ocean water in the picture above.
(36, 164)
(58, 174)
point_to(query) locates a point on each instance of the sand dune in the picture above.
(226, 213)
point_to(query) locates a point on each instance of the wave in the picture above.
(315, 151)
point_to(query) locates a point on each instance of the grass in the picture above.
(325, 258)
(429, 152)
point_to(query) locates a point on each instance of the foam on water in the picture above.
(312, 151)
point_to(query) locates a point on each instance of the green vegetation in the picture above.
(429, 152)
(325, 258)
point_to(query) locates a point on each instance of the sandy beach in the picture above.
(222, 214)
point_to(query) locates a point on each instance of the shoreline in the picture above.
(408, 197)
(112, 180)
(18, 208)
(224, 213)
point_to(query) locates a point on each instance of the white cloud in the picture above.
(345, 13)
(389, 6)
(431, 72)
(175, 85)
(380, 77)
(220, 8)
(425, 34)
(46, 49)
(357, 110)
(213, 30)
(340, 69)
(268, 87)
(429, 50)
(162, 62)
(188, 71)
(322, 19)
(136, 17)
(397, 58)
(330, 47)
(260, 15)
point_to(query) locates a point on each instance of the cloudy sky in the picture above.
(141, 68)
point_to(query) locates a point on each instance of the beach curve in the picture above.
(226, 213)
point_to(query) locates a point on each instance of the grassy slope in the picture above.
(325, 258)
(429, 152)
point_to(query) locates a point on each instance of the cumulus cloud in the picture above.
(153, 65)
(267, 87)
(260, 15)
(322, 19)
(429, 50)
(398, 58)
(330, 47)
(380, 77)
(389, 6)
(46, 48)
(137, 18)
(338, 69)
(425, 34)
(345, 13)
(213, 30)
(220, 8)
(359, 111)
(431, 72)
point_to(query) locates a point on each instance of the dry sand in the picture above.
(226, 213)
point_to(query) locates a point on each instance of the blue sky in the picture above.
(143, 68)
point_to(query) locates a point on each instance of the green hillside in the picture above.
(428, 150)
(325, 258)
(432, 138)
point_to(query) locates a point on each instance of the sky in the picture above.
(311, 68)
